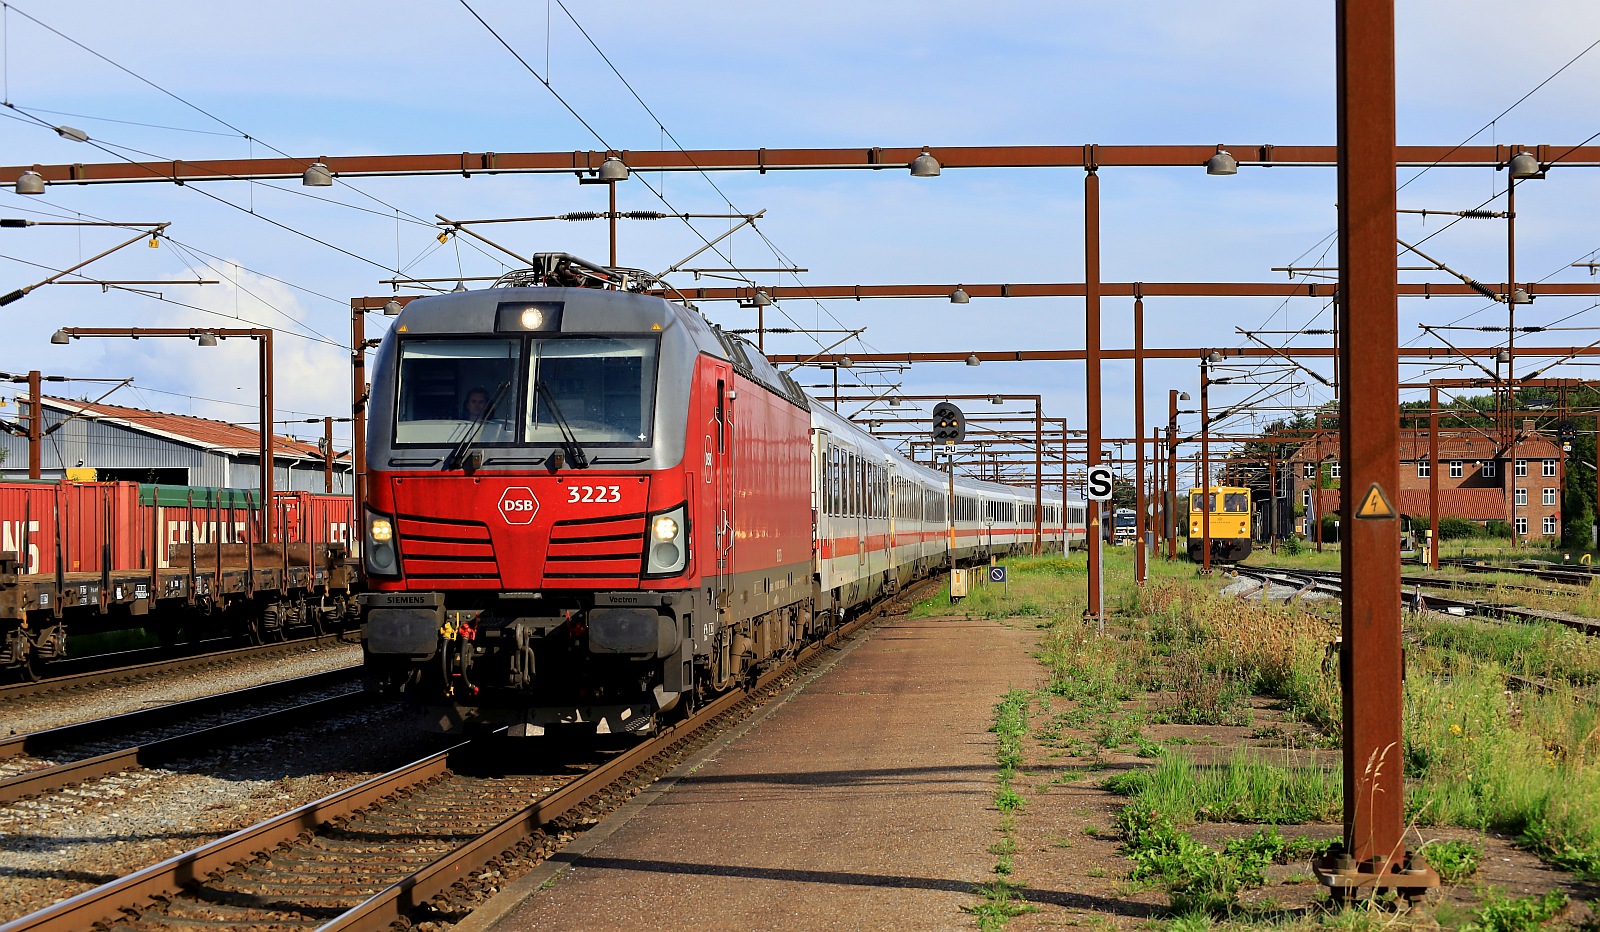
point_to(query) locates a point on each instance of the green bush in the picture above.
(1459, 529)
(1497, 528)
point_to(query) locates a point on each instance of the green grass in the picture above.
(1477, 755)
(1245, 789)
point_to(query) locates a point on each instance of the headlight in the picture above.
(381, 556)
(668, 551)
(533, 318)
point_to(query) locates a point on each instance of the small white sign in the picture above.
(1101, 482)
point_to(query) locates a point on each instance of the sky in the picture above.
(182, 80)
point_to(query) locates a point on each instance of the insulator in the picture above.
(1479, 214)
(1479, 287)
(580, 215)
(644, 215)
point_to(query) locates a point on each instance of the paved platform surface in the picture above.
(862, 801)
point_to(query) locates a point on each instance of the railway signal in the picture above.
(949, 424)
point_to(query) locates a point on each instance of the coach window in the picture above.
(603, 388)
(438, 379)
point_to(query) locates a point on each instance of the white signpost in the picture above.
(1102, 481)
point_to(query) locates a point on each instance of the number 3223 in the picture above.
(594, 493)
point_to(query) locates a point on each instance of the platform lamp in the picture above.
(1223, 163)
(317, 176)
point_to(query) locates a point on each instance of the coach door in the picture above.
(719, 478)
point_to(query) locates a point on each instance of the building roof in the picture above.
(207, 434)
(1453, 445)
(1473, 504)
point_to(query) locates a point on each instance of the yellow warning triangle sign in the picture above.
(1375, 505)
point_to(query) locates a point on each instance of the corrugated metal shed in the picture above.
(206, 452)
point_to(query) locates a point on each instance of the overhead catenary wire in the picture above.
(543, 80)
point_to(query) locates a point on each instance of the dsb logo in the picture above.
(518, 506)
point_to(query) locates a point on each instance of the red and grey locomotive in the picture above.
(588, 506)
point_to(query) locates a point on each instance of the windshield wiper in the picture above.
(569, 440)
(458, 456)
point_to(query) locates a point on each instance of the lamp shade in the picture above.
(1223, 163)
(613, 169)
(1523, 165)
(30, 182)
(924, 166)
(960, 296)
(317, 176)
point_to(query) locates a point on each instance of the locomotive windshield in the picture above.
(602, 387)
(446, 384)
(1232, 502)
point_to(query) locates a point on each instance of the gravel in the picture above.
(52, 710)
(55, 846)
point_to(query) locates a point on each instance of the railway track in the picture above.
(1550, 572)
(1412, 596)
(383, 851)
(123, 675)
(20, 780)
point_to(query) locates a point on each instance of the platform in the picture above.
(862, 798)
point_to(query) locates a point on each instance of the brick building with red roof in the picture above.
(1479, 479)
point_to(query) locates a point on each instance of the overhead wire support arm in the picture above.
(831, 346)
(749, 220)
(1467, 356)
(1288, 359)
(20, 293)
(1467, 280)
(456, 227)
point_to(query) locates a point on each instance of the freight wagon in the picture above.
(88, 557)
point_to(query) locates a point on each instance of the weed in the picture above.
(1119, 730)
(1197, 877)
(1454, 860)
(1009, 800)
(1001, 898)
(1500, 913)
(1002, 902)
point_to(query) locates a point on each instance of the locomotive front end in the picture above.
(528, 528)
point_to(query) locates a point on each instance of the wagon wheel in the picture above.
(21, 673)
(252, 630)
